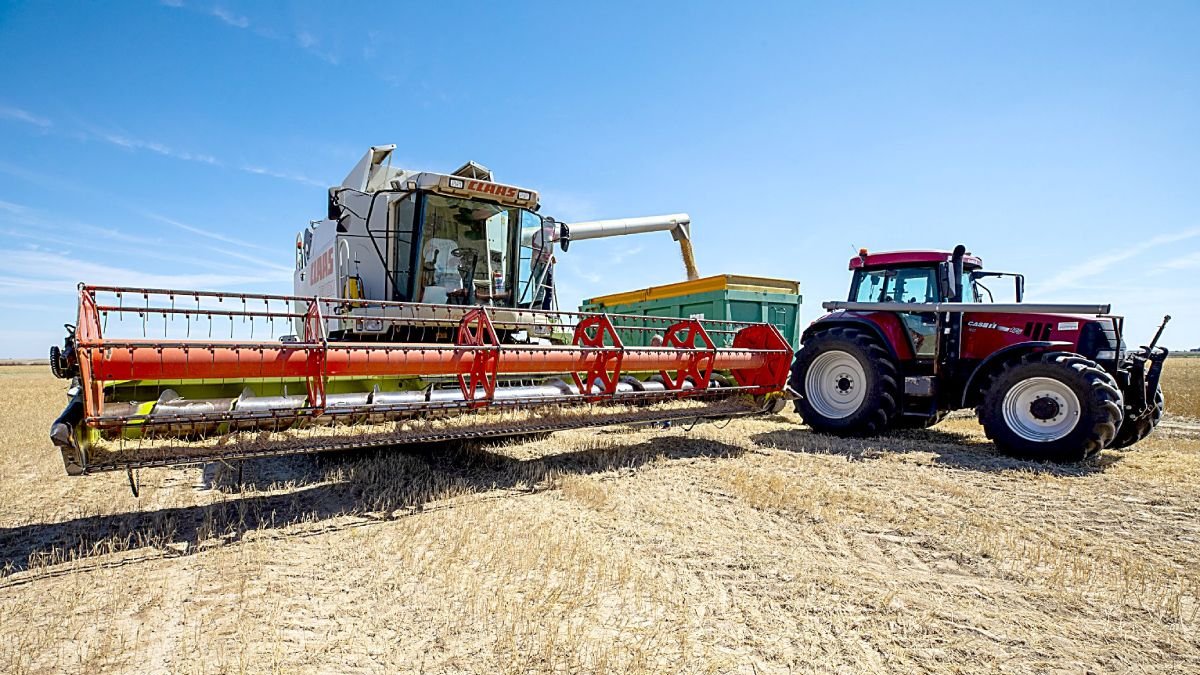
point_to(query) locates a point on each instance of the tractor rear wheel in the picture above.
(847, 381)
(1134, 430)
(1051, 406)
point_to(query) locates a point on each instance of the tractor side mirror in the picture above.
(1019, 283)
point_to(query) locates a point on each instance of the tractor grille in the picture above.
(1099, 336)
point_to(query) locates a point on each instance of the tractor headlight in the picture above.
(1106, 355)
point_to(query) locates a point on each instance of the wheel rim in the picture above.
(835, 384)
(1041, 409)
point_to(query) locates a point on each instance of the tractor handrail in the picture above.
(969, 307)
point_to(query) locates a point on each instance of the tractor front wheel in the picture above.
(1135, 429)
(1051, 406)
(847, 381)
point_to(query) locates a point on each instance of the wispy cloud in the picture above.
(164, 150)
(1073, 275)
(312, 44)
(297, 178)
(39, 225)
(626, 253)
(19, 115)
(254, 260)
(36, 271)
(52, 232)
(306, 40)
(235, 20)
(1183, 262)
(135, 144)
(203, 232)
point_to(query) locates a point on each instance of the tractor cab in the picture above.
(916, 278)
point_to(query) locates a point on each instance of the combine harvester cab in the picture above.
(423, 311)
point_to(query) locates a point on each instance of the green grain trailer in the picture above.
(729, 297)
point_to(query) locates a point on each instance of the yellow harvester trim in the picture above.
(719, 282)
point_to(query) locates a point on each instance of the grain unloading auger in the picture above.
(207, 376)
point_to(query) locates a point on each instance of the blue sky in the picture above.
(183, 144)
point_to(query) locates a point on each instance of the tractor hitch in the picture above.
(1143, 382)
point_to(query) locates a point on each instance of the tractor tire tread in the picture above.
(880, 407)
(1102, 403)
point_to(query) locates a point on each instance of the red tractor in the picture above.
(921, 335)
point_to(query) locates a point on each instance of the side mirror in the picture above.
(1020, 284)
(564, 237)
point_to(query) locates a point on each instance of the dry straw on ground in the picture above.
(756, 547)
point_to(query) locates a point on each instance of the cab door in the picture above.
(916, 285)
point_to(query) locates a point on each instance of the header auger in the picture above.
(206, 376)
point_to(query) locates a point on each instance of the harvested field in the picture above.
(754, 547)
(1181, 386)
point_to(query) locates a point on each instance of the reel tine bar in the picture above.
(605, 367)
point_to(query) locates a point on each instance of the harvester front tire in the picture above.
(848, 383)
(1051, 406)
(1134, 430)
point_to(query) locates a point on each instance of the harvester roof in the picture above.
(865, 260)
(374, 173)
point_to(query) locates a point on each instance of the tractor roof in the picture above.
(897, 258)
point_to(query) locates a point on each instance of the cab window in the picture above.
(913, 285)
(465, 252)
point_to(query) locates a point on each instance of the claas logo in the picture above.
(321, 266)
(483, 187)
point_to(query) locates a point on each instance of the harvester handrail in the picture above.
(121, 291)
(968, 307)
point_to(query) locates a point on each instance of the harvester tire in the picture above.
(848, 383)
(1051, 406)
(1135, 429)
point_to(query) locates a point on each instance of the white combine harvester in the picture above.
(421, 297)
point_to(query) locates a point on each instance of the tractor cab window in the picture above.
(913, 285)
(969, 292)
(466, 252)
(906, 284)
(868, 286)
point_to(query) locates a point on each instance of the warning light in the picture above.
(862, 252)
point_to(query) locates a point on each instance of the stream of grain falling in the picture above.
(689, 259)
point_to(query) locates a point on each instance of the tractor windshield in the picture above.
(907, 284)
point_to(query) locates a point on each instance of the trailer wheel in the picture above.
(1051, 406)
(1135, 429)
(847, 382)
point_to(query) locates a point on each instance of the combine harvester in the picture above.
(424, 311)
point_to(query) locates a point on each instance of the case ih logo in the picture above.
(994, 326)
(485, 188)
(321, 266)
